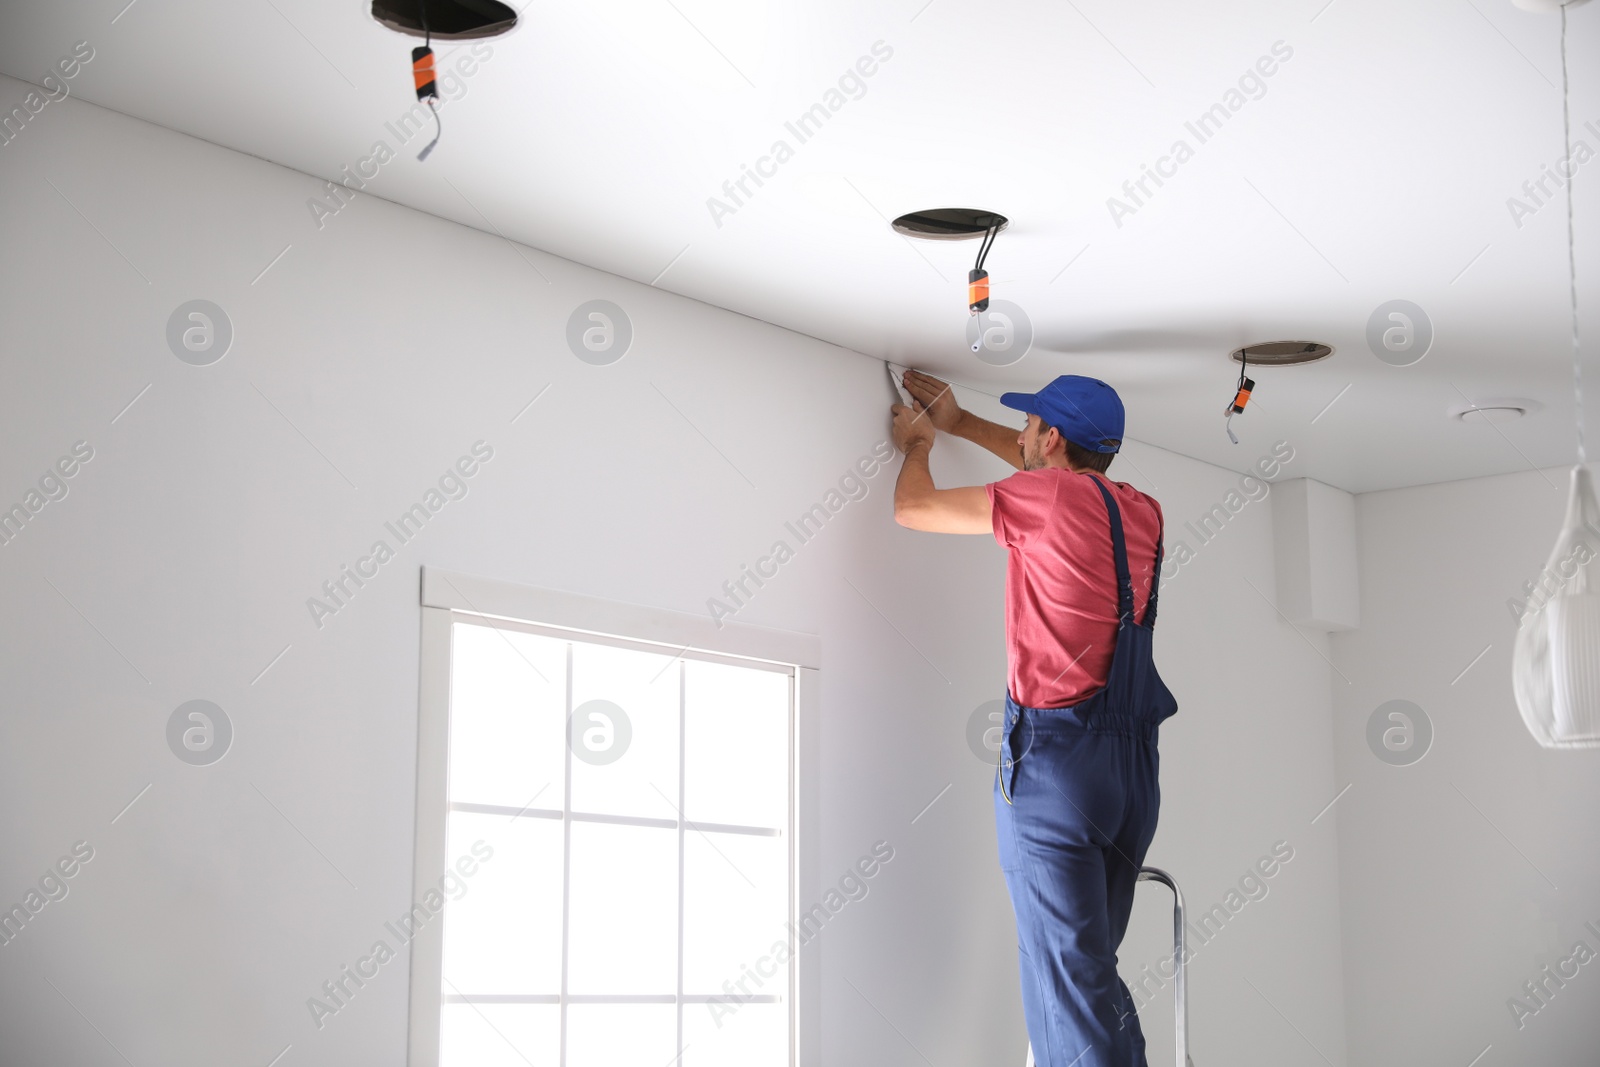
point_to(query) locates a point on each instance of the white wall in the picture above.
(1467, 872)
(375, 352)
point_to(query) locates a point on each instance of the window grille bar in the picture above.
(619, 820)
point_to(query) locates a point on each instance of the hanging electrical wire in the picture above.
(422, 74)
(455, 20)
(1572, 253)
(977, 277)
(1241, 397)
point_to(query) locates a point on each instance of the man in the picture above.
(1076, 796)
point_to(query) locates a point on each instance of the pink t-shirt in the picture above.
(1061, 579)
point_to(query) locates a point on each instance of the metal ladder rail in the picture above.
(1180, 993)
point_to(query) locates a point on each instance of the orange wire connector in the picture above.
(1242, 397)
(422, 72)
(977, 290)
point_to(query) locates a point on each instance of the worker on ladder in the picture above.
(1076, 793)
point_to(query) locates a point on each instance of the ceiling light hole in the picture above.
(1481, 416)
(448, 20)
(949, 223)
(1496, 410)
(1544, 7)
(1282, 353)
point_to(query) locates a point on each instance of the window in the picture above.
(618, 864)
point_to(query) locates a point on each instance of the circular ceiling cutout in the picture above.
(1495, 410)
(1545, 7)
(1480, 416)
(949, 223)
(448, 20)
(1282, 353)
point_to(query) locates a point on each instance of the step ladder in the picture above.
(1180, 996)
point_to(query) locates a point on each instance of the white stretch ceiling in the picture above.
(1375, 163)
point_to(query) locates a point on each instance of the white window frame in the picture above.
(448, 596)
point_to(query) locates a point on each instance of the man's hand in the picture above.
(911, 427)
(935, 398)
(933, 404)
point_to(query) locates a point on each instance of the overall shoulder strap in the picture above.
(1119, 550)
(1155, 588)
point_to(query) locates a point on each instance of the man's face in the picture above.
(1032, 447)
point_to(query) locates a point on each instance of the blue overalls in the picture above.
(1076, 800)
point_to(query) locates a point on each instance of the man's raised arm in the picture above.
(918, 504)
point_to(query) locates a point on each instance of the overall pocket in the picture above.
(1008, 758)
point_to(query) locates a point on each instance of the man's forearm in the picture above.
(915, 481)
(1001, 440)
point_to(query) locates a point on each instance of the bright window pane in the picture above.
(499, 1035)
(611, 890)
(621, 1035)
(735, 899)
(511, 899)
(736, 745)
(632, 769)
(507, 705)
(744, 1035)
(624, 905)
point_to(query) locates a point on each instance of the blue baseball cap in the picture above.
(1086, 411)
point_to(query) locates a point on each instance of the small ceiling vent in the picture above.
(1282, 353)
(950, 223)
(447, 20)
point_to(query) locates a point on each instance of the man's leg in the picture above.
(1122, 876)
(1123, 861)
(1054, 858)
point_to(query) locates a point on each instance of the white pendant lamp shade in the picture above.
(1555, 667)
